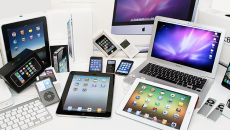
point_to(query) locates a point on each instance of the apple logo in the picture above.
(143, 29)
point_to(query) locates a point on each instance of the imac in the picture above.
(137, 16)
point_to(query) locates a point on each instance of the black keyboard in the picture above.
(173, 76)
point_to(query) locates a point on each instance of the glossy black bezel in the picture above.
(60, 110)
(223, 83)
(129, 61)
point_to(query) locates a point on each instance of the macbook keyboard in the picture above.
(173, 76)
(24, 116)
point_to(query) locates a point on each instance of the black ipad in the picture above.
(31, 34)
(87, 94)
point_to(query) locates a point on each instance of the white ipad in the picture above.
(158, 105)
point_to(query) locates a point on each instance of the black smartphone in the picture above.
(124, 67)
(226, 80)
(60, 60)
(106, 45)
(95, 64)
(110, 66)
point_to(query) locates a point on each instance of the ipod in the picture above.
(129, 49)
(47, 91)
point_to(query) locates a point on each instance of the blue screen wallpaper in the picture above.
(187, 46)
(28, 36)
(141, 10)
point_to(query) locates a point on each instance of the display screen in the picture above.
(106, 44)
(124, 67)
(24, 73)
(28, 36)
(227, 76)
(44, 85)
(158, 105)
(188, 46)
(125, 44)
(87, 94)
(147, 10)
(95, 65)
(112, 62)
(63, 65)
(48, 73)
(69, 38)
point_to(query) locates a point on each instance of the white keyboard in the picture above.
(24, 116)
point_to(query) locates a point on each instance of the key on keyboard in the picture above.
(173, 76)
(24, 116)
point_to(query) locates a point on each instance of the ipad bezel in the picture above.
(6, 44)
(188, 114)
(61, 112)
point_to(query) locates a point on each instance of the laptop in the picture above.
(183, 55)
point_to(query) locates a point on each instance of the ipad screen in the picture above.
(88, 94)
(159, 105)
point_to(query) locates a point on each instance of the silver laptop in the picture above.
(183, 55)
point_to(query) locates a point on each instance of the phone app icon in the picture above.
(84, 89)
(75, 89)
(23, 39)
(178, 110)
(24, 68)
(22, 73)
(147, 100)
(98, 110)
(86, 79)
(138, 113)
(15, 41)
(146, 115)
(13, 34)
(94, 85)
(180, 104)
(173, 124)
(27, 66)
(79, 108)
(102, 85)
(162, 92)
(39, 35)
(33, 68)
(85, 84)
(129, 110)
(164, 121)
(140, 92)
(103, 80)
(138, 97)
(32, 73)
(167, 106)
(144, 106)
(154, 109)
(16, 73)
(30, 30)
(27, 73)
(22, 80)
(78, 79)
(170, 101)
(175, 116)
(31, 37)
(69, 108)
(150, 94)
(134, 102)
(182, 98)
(160, 97)
(22, 32)
(152, 90)
(157, 103)
(172, 95)
(38, 28)
(95, 80)
(165, 112)
(143, 87)
(154, 118)
(89, 109)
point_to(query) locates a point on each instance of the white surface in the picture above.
(5, 95)
(117, 122)
(226, 111)
(187, 116)
(222, 5)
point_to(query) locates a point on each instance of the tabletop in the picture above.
(116, 121)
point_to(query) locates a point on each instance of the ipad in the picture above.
(31, 34)
(87, 94)
(158, 105)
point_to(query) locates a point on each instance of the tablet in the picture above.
(31, 34)
(158, 105)
(87, 94)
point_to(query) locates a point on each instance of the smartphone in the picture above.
(70, 37)
(106, 45)
(60, 60)
(95, 64)
(226, 79)
(48, 73)
(47, 91)
(110, 66)
(124, 67)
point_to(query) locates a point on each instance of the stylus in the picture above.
(223, 64)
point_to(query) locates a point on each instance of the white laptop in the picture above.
(183, 55)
